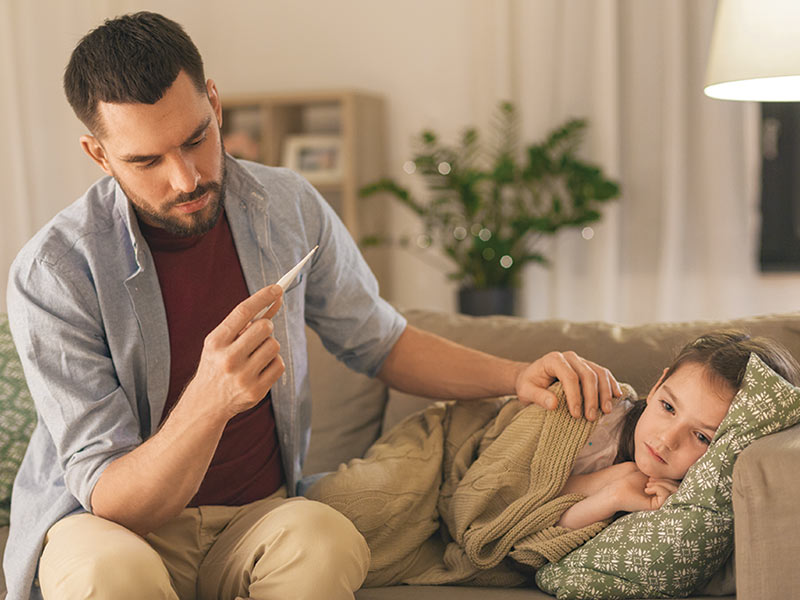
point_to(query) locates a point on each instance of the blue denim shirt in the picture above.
(88, 320)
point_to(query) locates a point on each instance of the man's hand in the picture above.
(238, 365)
(587, 385)
(240, 360)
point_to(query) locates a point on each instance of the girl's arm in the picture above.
(591, 483)
(631, 491)
(591, 509)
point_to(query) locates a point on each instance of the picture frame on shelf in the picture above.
(318, 158)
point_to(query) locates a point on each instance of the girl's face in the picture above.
(679, 421)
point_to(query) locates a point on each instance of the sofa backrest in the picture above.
(347, 406)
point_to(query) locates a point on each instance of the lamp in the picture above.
(755, 51)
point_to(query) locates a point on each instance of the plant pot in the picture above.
(486, 301)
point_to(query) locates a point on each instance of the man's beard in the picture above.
(200, 222)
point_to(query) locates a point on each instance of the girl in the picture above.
(653, 442)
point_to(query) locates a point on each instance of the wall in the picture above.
(439, 63)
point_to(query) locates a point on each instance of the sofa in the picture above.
(350, 411)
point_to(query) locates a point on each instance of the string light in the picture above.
(485, 234)
(459, 233)
(410, 167)
(587, 233)
(506, 261)
(444, 168)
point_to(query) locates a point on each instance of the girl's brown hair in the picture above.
(725, 355)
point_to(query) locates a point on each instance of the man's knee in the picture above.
(323, 529)
(84, 552)
(323, 542)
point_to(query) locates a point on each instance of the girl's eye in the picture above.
(667, 406)
(703, 439)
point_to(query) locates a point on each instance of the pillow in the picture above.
(677, 549)
(17, 417)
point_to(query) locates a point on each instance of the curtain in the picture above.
(42, 166)
(681, 242)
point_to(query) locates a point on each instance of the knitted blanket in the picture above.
(464, 493)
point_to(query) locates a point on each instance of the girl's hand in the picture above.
(628, 492)
(660, 490)
(623, 488)
(636, 491)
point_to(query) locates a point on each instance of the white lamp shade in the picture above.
(755, 51)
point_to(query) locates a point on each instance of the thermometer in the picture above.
(287, 280)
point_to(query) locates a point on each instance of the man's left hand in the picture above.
(588, 386)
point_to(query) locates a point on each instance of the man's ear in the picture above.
(658, 384)
(91, 145)
(213, 98)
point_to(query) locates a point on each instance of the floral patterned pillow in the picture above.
(17, 417)
(677, 549)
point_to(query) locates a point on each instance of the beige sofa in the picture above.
(350, 411)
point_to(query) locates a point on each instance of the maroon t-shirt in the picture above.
(201, 282)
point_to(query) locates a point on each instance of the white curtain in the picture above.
(681, 242)
(41, 164)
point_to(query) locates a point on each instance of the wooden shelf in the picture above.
(336, 139)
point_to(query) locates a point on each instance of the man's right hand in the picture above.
(240, 361)
(153, 483)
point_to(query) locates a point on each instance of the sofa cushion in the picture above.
(17, 416)
(452, 592)
(675, 550)
(346, 412)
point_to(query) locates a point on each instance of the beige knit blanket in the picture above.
(464, 493)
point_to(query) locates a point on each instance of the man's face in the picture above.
(167, 157)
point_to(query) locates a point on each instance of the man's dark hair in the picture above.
(133, 58)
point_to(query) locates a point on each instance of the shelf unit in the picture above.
(336, 139)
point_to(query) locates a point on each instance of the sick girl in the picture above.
(638, 454)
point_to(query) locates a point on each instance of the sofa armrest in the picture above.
(766, 490)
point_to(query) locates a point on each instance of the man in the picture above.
(172, 425)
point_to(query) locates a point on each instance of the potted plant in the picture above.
(488, 210)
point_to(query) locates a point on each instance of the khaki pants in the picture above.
(274, 548)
